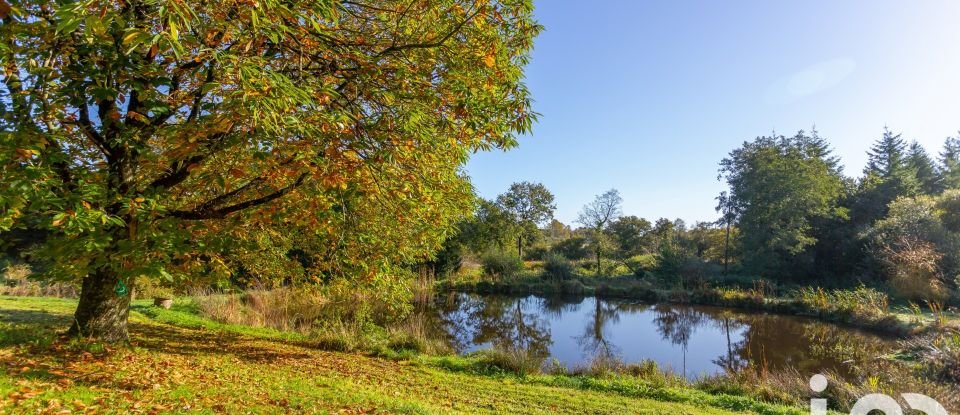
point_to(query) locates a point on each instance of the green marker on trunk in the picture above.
(120, 288)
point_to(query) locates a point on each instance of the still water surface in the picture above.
(690, 340)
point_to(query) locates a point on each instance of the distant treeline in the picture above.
(790, 214)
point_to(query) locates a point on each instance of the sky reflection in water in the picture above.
(690, 340)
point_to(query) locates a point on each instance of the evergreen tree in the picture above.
(888, 157)
(816, 147)
(888, 175)
(924, 169)
(950, 163)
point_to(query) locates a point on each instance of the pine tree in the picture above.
(888, 175)
(924, 169)
(888, 157)
(817, 147)
(889, 161)
(950, 163)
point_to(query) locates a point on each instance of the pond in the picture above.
(692, 341)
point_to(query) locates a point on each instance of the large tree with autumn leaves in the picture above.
(152, 137)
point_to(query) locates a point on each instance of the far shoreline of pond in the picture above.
(862, 308)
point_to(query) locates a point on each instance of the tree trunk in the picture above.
(726, 325)
(520, 247)
(726, 251)
(101, 313)
(598, 262)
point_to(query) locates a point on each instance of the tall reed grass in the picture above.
(333, 320)
(282, 309)
(16, 280)
(862, 302)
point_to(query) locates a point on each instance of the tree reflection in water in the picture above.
(726, 340)
(594, 341)
(676, 325)
(733, 361)
(500, 322)
(556, 306)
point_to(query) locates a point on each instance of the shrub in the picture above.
(145, 287)
(406, 342)
(618, 270)
(943, 356)
(682, 268)
(512, 359)
(949, 207)
(447, 261)
(601, 365)
(862, 302)
(913, 270)
(646, 369)
(640, 264)
(414, 335)
(16, 273)
(334, 343)
(535, 252)
(608, 268)
(574, 248)
(557, 267)
(501, 264)
(916, 246)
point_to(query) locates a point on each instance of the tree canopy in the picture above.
(631, 234)
(153, 137)
(924, 169)
(530, 205)
(778, 187)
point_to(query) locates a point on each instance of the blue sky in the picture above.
(648, 96)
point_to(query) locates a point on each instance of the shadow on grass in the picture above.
(191, 342)
(34, 340)
(30, 327)
(43, 328)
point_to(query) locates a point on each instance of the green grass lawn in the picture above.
(181, 363)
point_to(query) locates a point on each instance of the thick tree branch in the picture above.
(210, 204)
(198, 95)
(87, 127)
(220, 213)
(179, 170)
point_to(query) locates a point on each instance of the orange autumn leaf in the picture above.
(25, 153)
(490, 60)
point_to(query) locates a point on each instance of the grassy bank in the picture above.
(860, 307)
(179, 362)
